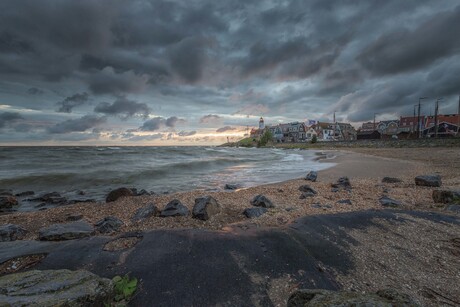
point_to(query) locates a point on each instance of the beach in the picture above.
(374, 250)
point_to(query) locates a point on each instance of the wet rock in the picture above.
(320, 297)
(109, 224)
(25, 193)
(308, 189)
(11, 232)
(144, 192)
(311, 176)
(146, 212)
(70, 231)
(232, 186)
(391, 180)
(117, 193)
(428, 181)
(342, 183)
(344, 202)
(55, 288)
(174, 208)
(389, 202)
(262, 201)
(8, 202)
(51, 198)
(254, 212)
(446, 196)
(77, 201)
(305, 195)
(317, 206)
(205, 207)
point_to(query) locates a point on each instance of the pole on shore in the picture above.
(436, 108)
(418, 117)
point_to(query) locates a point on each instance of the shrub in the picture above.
(314, 139)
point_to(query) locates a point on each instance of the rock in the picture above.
(70, 231)
(391, 180)
(146, 212)
(11, 232)
(388, 202)
(51, 198)
(320, 297)
(7, 202)
(262, 201)
(117, 193)
(342, 183)
(55, 288)
(317, 206)
(232, 186)
(453, 208)
(254, 212)
(335, 190)
(174, 208)
(77, 201)
(446, 196)
(312, 176)
(344, 202)
(74, 217)
(428, 181)
(305, 195)
(108, 224)
(144, 192)
(25, 193)
(205, 207)
(308, 189)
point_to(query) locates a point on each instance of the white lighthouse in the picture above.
(261, 123)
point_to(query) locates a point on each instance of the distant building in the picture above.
(448, 125)
(408, 124)
(369, 126)
(261, 123)
(368, 135)
(324, 131)
(388, 127)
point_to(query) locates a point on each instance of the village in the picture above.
(406, 127)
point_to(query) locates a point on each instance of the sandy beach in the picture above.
(364, 167)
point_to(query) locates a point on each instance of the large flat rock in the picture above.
(69, 231)
(54, 288)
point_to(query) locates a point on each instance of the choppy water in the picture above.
(97, 170)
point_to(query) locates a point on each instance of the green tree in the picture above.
(265, 138)
(314, 139)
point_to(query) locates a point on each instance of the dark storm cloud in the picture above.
(123, 107)
(405, 49)
(107, 81)
(210, 119)
(159, 122)
(7, 118)
(77, 125)
(73, 101)
(225, 129)
(34, 91)
(13, 44)
(187, 59)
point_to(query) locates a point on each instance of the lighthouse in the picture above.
(261, 123)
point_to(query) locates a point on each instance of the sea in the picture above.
(80, 173)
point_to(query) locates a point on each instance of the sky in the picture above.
(157, 72)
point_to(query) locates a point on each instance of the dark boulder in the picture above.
(305, 195)
(344, 202)
(232, 186)
(428, 181)
(6, 192)
(144, 193)
(318, 297)
(174, 208)
(70, 231)
(453, 208)
(311, 176)
(391, 180)
(51, 198)
(7, 202)
(254, 212)
(146, 212)
(55, 288)
(109, 224)
(389, 202)
(117, 193)
(308, 189)
(205, 207)
(262, 201)
(342, 183)
(11, 232)
(446, 196)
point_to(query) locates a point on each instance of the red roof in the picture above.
(450, 118)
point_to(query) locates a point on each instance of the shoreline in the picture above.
(365, 172)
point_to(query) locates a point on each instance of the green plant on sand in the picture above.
(314, 139)
(124, 288)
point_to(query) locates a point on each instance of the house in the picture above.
(368, 135)
(408, 124)
(369, 126)
(324, 131)
(345, 132)
(448, 125)
(293, 132)
(388, 127)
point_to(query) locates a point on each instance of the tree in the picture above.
(314, 139)
(266, 137)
